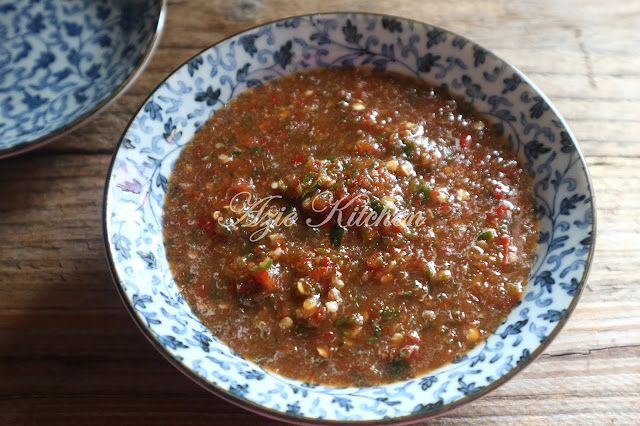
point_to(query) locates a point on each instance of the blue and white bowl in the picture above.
(186, 99)
(62, 61)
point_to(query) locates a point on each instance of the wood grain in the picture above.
(69, 353)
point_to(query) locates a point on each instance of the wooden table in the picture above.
(69, 353)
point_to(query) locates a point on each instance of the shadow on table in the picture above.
(69, 352)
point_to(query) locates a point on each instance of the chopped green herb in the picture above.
(255, 150)
(387, 313)
(377, 331)
(515, 288)
(236, 153)
(282, 187)
(321, 250)
(409, 149)
(424, 191)
(377, 206)
(265, 264)
(335, 235)
(301, 329)
(407, 293)
(307, 178)
(313, 231)
(343, 321)
(308, 190)
(444, 275)
(350, 321)
(487, 235)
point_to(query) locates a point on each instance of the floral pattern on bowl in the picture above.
(183, 102)
(61, 61)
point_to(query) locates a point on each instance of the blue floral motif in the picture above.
(427, 382)
(209, 96)
(435, 37)
(524, 358)
(171, 342)
(426, 62)
(467, 388)
(148, 258)
(61, 61)
(479, 56)
(351, 34)
(176, 110)
(511, 83)
(553, 316)
(391, 24)
(533, 149)
(293, 409)
(283, 56)
(239, 390)
(248, 44)
(194, 64)
(515, 328)
(572, 287)
(344, 403)
(545, 280)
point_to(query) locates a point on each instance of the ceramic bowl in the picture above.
(62, 61)
(182, 103)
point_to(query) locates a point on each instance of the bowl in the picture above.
(61, 62)
(143, 160)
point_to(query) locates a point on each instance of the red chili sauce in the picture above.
(296, 282)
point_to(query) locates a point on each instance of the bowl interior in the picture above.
(62, 61)
(180, 105)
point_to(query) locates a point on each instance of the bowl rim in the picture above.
(403, 420)
(150, 49)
